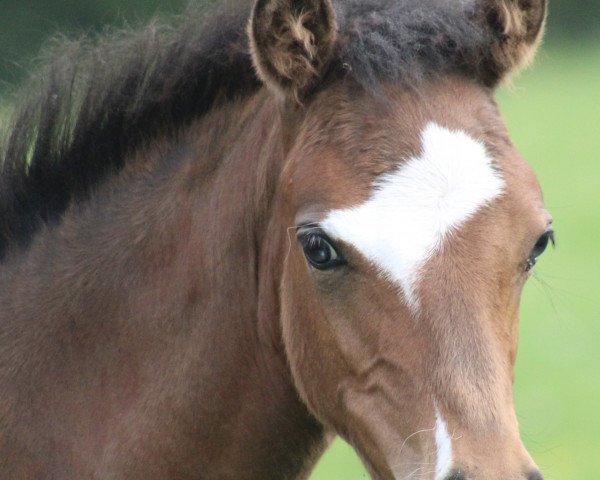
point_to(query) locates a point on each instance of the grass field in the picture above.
(553, 113)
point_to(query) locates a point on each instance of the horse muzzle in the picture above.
(460, 475)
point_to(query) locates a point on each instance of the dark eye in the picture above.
(319, 251)
(539, 248)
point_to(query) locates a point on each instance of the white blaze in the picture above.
(413, 209)
(444, 447)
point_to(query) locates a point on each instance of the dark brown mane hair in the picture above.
(98, 100)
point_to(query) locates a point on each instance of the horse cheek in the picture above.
(315, 361)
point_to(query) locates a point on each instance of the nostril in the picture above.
(456, 475)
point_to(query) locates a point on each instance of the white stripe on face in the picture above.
(443, 443)
(413, 209)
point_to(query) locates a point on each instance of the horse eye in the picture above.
(319, 251)
(539, 248)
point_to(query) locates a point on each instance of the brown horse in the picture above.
(218, 253)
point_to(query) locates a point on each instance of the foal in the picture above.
(218, 254)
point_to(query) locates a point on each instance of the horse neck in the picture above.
(160, 322)
(265, 410)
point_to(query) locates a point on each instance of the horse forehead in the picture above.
(414, 209)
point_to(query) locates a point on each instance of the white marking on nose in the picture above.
(413, 209)
(444, 447)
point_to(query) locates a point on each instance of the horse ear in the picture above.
(517, 29)
(292, 43)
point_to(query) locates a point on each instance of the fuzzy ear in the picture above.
(517, 29)
(292, 42)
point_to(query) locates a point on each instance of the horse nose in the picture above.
(458, 475)
(537, 475)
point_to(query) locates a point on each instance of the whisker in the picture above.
(407, 439)
(547, 290)
(542, 276)
(427, 473)
(413, 434)
(410, 474)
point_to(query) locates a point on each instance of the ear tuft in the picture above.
(517, 29)
(292, 43)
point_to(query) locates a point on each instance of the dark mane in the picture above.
(96, 102)
(410, 40)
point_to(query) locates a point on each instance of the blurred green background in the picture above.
(553, 113)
